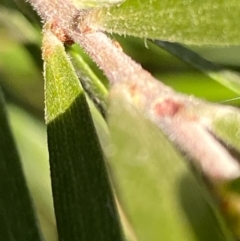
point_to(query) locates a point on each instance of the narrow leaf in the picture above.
(228, 78)
(31, 138)
(17, 217)
(83, 200)
(157, 190)
(191, 22)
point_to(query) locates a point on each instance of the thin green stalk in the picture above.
(228, 78)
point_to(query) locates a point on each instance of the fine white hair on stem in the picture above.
(61, 10)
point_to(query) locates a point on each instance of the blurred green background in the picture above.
(22, 82)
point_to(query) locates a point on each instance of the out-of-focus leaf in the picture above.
(18, 26)
(228, 78)
(19, 75)
(201, 86)
(192, 22)
(226, 126)
(228, 196)
(222, 121)
(17, 217)
(26, 8)
(225, 55)
(234, 185)
(83, 201)
(31, 139)
(159, 193)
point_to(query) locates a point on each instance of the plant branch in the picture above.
(159, 103)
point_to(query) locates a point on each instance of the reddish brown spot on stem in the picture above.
(61, 34)
(86, 29)
(46, 50)
(117, 44)
(167, 107)
(132, 89)
(81, 21)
